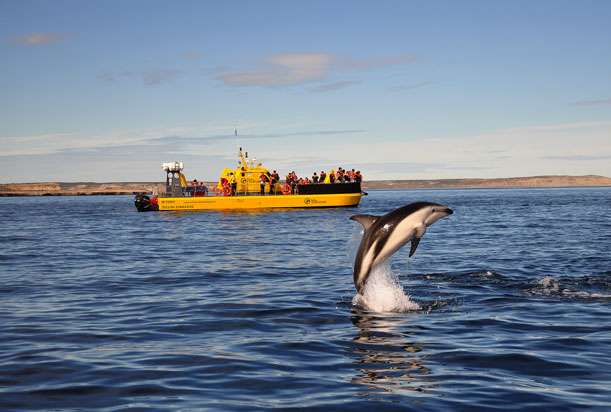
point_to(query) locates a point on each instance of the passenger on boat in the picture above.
(293, 181)
(358, 177)
(194, 187)
(340, 175)
(203, 189)
(274, 178)
(234, 183)
(288, 182)
(314, 178)
(263, 179)
(197, 188)
(222, 188)
(331, 176)
(323, 177)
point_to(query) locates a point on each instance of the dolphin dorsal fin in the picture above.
(365, 220)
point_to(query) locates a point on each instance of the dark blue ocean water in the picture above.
(104, 308)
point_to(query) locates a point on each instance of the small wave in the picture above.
(383, 293)
(465, 277)
(551, 286)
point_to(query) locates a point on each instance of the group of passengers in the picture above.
(269, 179)
(228, 185)
(334, 176)
(195, 188)
(339, 176)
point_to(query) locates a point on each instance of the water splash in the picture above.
(569, 287)
(383, 293)
(549, 285)
(352, 245)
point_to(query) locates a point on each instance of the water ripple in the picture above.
(107, 309)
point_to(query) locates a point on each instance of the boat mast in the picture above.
(241, 155)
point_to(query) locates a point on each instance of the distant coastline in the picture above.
(128, 188)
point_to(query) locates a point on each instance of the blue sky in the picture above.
(107, 90)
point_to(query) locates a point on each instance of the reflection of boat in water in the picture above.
(240, 188)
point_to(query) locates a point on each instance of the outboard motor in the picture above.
(143, 203)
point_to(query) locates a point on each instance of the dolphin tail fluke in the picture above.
(414, 246)
(365, 220)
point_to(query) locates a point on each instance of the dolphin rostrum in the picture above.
(384, 235)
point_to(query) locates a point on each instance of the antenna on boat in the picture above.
(235, 134)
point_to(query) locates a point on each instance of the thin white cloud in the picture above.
(45, 144)
(599, 102)
(401, 88)
(376, 62)
(193, 55)
(176, 137)
(38, 39)
(107, 76)
(205, 140)
(331, 87)
(579, 158)
(569, 148)
(154, 77)
(151, 77)
(527, 151)
(35, 144)
(299, 68)
(284, 70)
(560, 127)
(579, 148)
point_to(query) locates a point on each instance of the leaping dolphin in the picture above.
(384, 235)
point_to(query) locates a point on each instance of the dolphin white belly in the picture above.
(384, 235)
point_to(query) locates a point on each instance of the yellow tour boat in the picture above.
(240, 189)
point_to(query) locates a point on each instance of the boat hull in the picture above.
(258, 202)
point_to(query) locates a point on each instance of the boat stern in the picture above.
(146, 203)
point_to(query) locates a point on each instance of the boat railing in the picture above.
(299, 189)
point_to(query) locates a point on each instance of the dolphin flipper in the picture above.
(365, 220)
(414, 246)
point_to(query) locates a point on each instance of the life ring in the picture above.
(226, 191)
(286, 189)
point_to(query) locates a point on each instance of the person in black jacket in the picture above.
(263, 179)
(273, 179)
